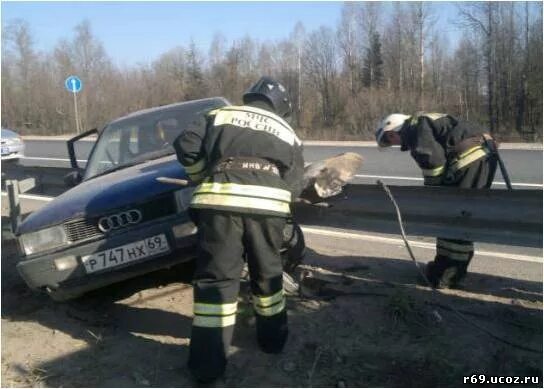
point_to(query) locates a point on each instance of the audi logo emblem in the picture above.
(119, 220)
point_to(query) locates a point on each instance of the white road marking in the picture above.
(54, 159)
(389, 177)
(423, 245)
(421, 179)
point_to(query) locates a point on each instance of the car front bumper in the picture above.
(12, 151)
(41, 271)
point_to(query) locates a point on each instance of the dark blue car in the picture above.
(117, 221)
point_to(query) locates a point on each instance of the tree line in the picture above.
(379, 59)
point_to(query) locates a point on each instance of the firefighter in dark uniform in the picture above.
(249, 163)
(450, 152)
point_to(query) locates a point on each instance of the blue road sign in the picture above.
(73, 84)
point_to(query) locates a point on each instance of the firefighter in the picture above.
(248, 161)
(450, 152)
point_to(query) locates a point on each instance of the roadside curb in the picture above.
(52, 137)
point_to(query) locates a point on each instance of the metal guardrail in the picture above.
(47, 180)
(495, 216)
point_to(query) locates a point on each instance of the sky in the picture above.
(139, 32)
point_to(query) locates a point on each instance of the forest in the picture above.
(380, 58)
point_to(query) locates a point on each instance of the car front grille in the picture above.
(87, 228)
(79, 229)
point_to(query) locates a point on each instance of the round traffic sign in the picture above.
(73, 84)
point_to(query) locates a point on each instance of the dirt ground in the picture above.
(367, 324)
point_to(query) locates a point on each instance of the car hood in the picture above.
(109, 192)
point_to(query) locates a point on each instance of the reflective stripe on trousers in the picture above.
(269, 305)
(457, 250)
(214, 315)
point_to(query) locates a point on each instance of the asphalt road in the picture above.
(512, 262)
(392, 166)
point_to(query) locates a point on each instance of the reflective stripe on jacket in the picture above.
(469, 156)
(256, 119)
(196, 171)
(237, 133)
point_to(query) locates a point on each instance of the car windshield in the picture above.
(141, 137)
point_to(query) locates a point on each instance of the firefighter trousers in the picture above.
(224, 240)
(454, 255)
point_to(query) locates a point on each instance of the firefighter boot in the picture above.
(272, 332)
(445, 273)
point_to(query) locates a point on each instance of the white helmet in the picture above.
(392, 122)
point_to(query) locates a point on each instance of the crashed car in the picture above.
(12, 146)
(118, 221)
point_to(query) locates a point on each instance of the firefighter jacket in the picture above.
(246, 159)
(442, 146)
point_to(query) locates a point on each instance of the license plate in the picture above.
(145, 248)
(5, 150)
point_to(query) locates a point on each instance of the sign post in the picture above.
(74, 85)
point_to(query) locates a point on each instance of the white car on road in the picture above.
(12, 145)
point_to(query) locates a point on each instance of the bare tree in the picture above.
(481, 17)
(170, 71)
(349, 36)
(19, 41)
(195, 85)
(493, 74)
(298, 37)
(321, 68)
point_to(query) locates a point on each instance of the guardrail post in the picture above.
(12, 187)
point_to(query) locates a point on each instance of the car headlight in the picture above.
(183, 198)
(43, 240)
(13, 141)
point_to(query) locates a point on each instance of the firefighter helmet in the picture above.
(273, 93)
(392, 122)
